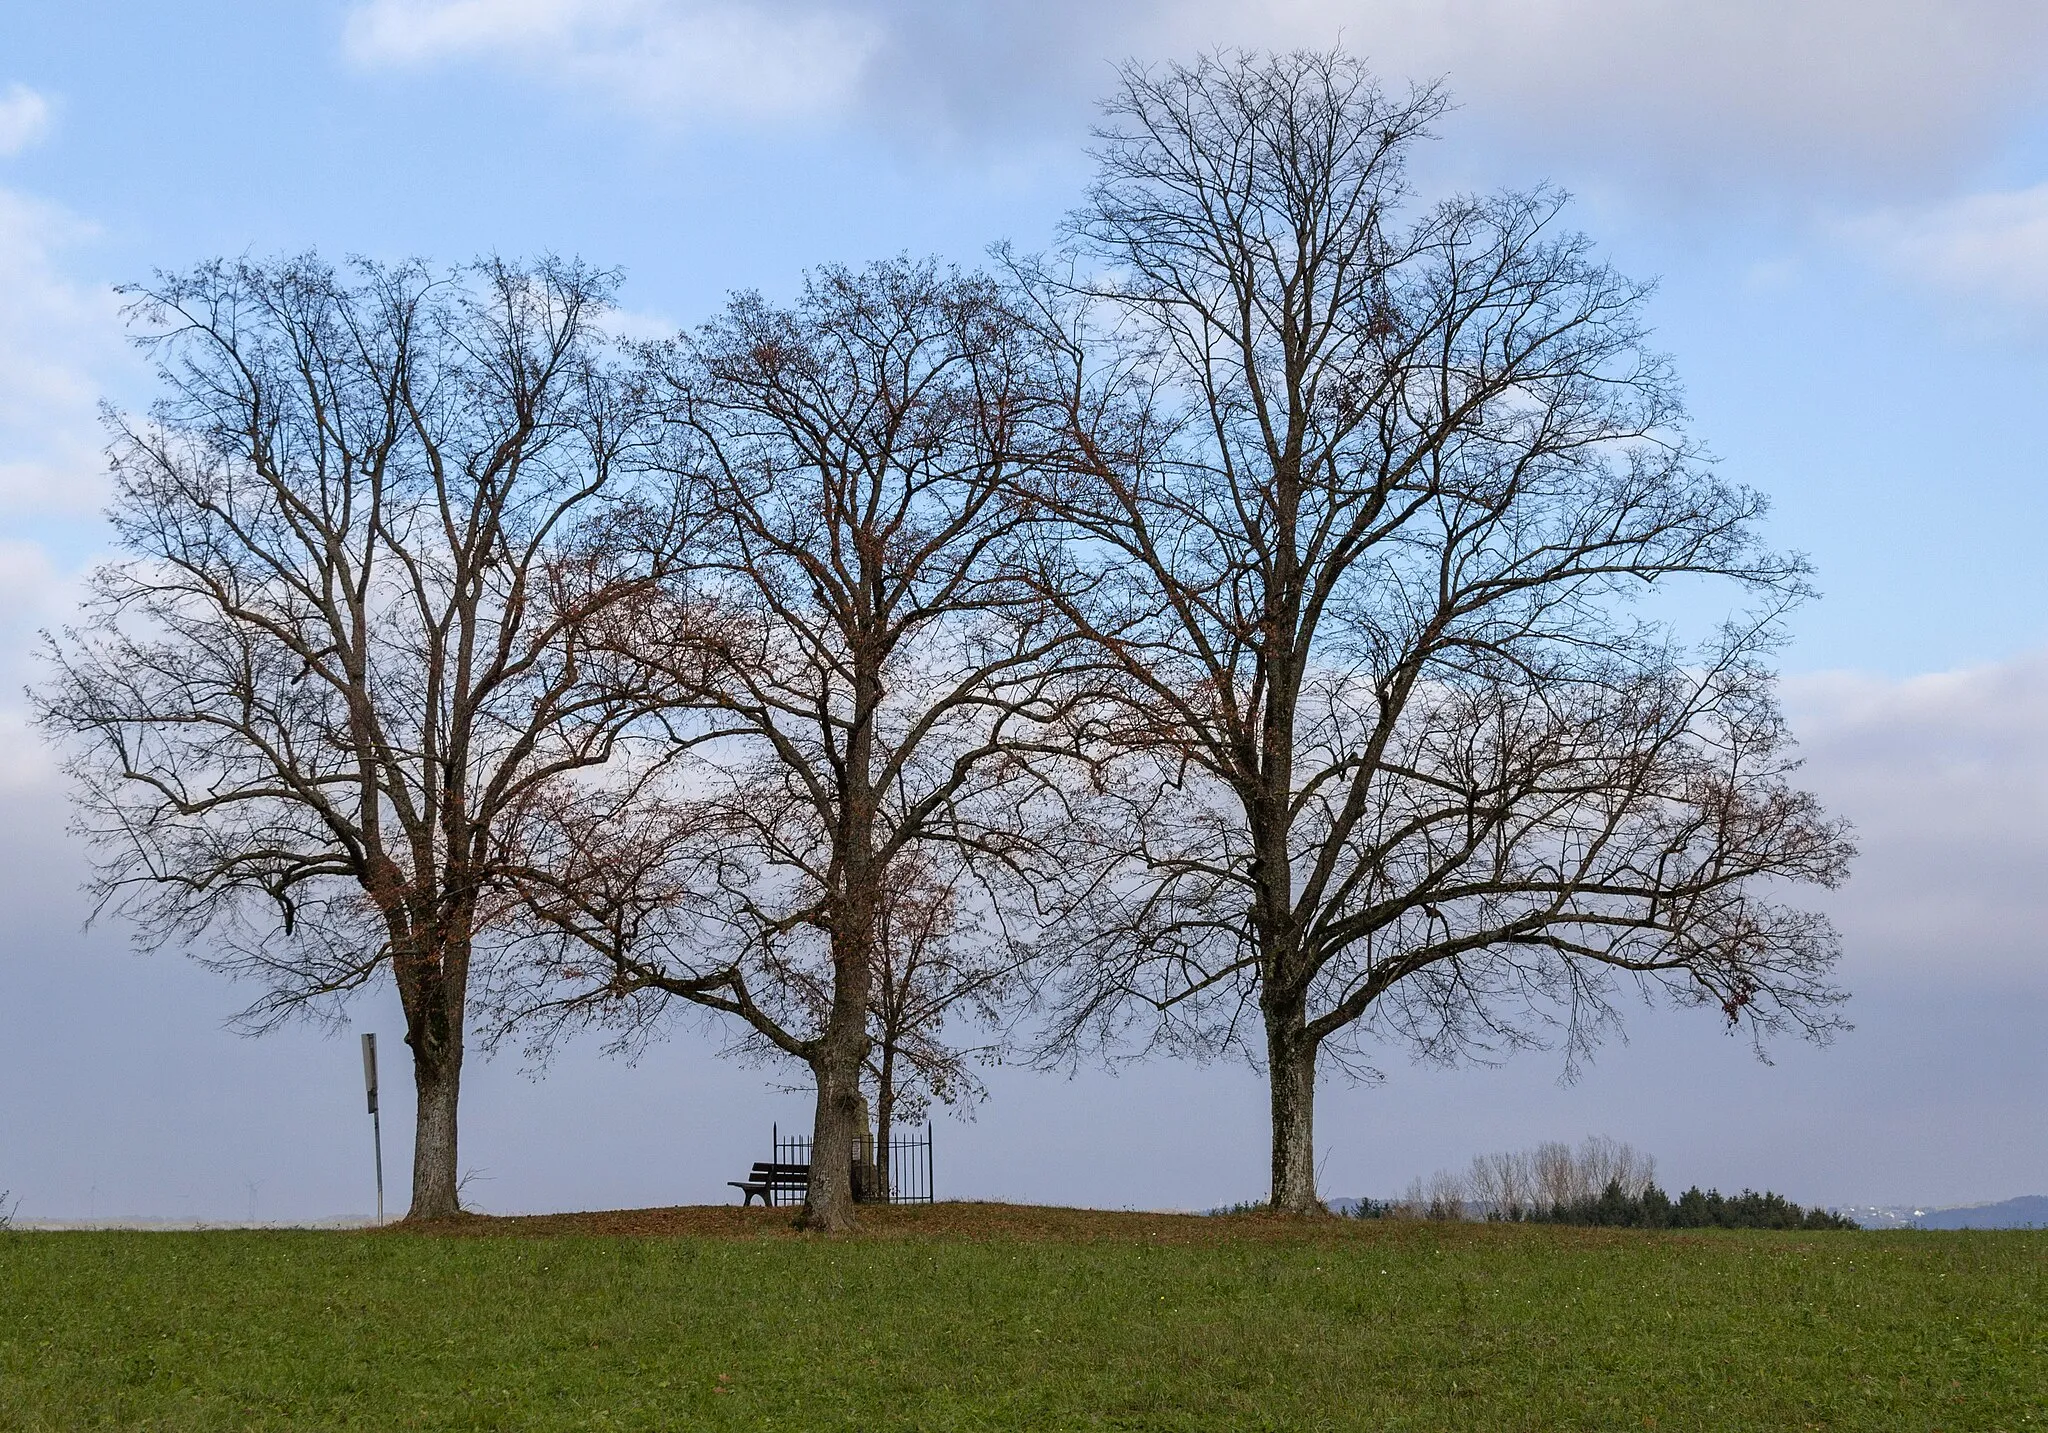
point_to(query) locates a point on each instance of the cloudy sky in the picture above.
(1845, 202)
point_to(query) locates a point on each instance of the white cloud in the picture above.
(1946, 778)
(34, 596)
(1863, 95)
(60, 348)
(639, 325)
(60, 343)
(24, 118)
(694, 58)
(1854, 96)
(1986, 254)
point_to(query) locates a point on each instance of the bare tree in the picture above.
(631, 916)
(1502, 1185)
(856, 674)
(311, 705)
(1603, 1161)
(1548, 1177)
(1554, 1176)
(1443, 1196)
(1363, 491)
(935, 967)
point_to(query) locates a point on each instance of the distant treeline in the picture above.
(1694, 1209)
(1603, 1181)
(1652, 1209)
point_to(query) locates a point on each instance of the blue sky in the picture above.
(1846, 205)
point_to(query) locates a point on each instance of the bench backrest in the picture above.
(786, 1175)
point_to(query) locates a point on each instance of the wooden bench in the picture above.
(769, 1179)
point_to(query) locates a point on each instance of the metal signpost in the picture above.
(376, 1122)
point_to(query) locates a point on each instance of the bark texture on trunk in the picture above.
(437, 1079)
(836, 1063)
(835, 1130)
(433, 988)
(1291, 1075)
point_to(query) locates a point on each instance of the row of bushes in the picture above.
(1694, 1209)
(1603, 1181)
(1652, 1208)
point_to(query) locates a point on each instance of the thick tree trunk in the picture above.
(433, 990)
(437, 1079)
(835, 1128)
(836, 1064)
(838, 1058)
(1291, 1072)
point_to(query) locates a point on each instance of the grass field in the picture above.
(968, 1316)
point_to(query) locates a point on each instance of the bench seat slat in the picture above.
(771, 1177)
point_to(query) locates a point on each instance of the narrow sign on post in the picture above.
(376, 1121)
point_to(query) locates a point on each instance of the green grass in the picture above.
(1228, 1324)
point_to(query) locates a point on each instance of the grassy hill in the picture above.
(979, 1316)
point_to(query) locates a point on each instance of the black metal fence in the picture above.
(905, 1179)
(910, 1169)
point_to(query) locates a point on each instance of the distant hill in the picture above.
(2029, 1211)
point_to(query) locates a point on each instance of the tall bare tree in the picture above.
(1363, 491)
(312, 703)
(855, 670)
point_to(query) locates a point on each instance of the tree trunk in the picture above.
(842, 1050)
(885, 1114)
(1291, 1072)
(828, 1203)
(437, 1079)
(836, 1062)
(840, 1055)
(432, 989)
